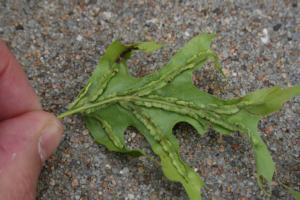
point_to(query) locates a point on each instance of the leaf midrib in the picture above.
(123, 98)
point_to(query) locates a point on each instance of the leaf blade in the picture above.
(263, 102)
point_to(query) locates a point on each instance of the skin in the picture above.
(28, 135)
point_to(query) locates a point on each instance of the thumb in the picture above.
(26, 141)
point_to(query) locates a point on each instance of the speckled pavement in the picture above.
(59, 44)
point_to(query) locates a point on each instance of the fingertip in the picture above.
(21, 140)
(29, 134)
(50, 138)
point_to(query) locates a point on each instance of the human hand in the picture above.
(28, 135)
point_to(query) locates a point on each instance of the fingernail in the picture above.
(48, 136)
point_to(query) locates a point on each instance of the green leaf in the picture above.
(112, 100)
(294, 193)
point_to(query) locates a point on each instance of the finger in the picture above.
(25, 142)
(16, 94)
